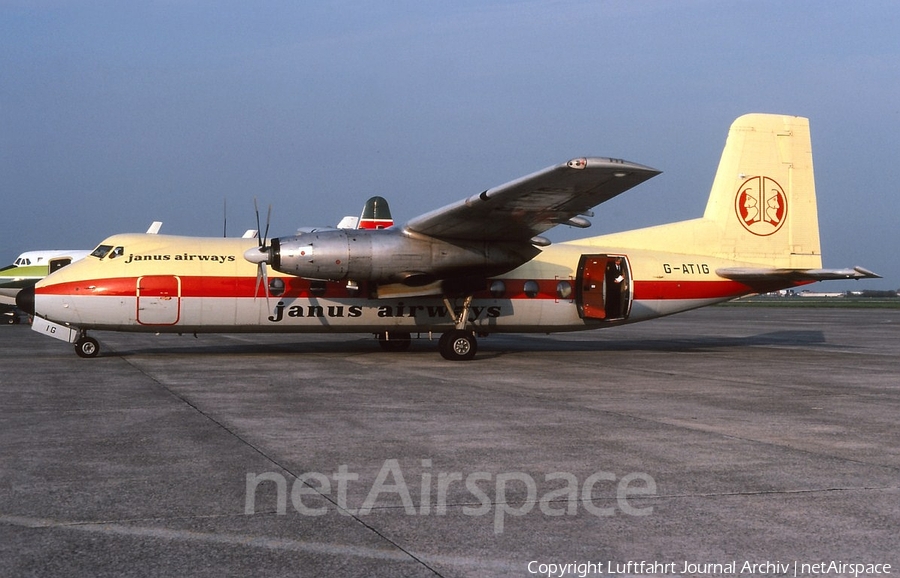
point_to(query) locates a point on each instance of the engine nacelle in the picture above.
(391, 256)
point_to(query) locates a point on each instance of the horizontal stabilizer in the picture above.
(752, 275)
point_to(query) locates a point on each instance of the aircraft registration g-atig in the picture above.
(472, 268)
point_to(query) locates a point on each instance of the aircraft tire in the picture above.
(87, 347)
(394, 341)
(458, 345)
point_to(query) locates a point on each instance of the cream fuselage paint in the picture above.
(163, 283)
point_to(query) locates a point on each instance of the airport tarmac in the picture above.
(725, 435)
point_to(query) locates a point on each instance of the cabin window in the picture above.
(317, 288)
(276, 287)
(498, 289)
(531, 288)
(564, 290)
(101, 251)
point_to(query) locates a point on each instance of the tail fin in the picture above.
(763, 199)
(376, 215)
(762, 206)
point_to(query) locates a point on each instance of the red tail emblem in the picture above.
(761, 205)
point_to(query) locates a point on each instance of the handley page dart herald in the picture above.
(475, 267)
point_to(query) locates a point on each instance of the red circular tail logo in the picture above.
(761, 205)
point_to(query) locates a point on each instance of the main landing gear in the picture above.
(458, 344)
(394, 340)
(86, 346)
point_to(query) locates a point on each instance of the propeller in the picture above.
(260, 254)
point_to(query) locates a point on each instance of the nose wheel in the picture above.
(87, 346)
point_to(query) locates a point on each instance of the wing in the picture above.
(521, 209)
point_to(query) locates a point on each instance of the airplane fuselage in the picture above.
(163, 283)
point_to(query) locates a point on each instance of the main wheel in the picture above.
(87, 347)
(458, 345)
(394, 341)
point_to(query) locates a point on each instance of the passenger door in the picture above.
(158, 300)
(603, 287)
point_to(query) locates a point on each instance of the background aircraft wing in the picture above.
(521, 209)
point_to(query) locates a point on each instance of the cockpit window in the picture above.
(101, 251)
(117, 252)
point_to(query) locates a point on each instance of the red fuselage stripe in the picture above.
(294, 287)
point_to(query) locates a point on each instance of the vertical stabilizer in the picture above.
(763, 198)
(762, 206)
(376, 215)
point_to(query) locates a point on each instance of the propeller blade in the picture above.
(260, 255)
(259, 267)
(265, 277)
(266, 234)
(256, 209)
(262, 275)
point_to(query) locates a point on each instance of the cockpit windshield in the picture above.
(101, 251)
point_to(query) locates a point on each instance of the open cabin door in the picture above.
(603, 287)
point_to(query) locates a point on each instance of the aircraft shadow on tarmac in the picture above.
(494, 346)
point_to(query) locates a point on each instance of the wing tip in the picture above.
(613, 163)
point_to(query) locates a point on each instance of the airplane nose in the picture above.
(25, 300)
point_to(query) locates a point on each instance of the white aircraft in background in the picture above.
(32, 266)
(29, 268)
(475, 267)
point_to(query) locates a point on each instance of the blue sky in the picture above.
(115, 114)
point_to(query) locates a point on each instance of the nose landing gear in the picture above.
(86, 346)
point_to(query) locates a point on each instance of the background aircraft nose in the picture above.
(25, 300)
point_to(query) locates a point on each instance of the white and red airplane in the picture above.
(475, 267)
